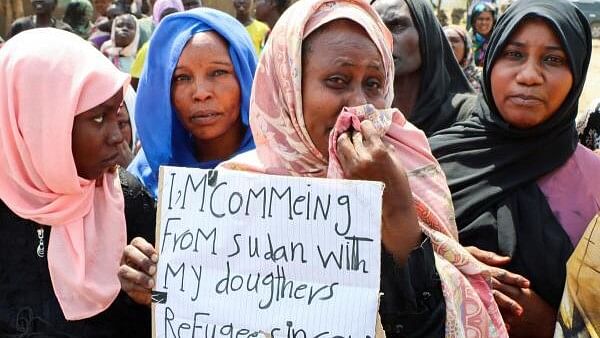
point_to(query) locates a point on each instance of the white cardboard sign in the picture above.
(251, 255)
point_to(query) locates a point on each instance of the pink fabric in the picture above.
(283, 146)
(47, 77)
(573, 192)
(161, 5)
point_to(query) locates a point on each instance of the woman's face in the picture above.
(457, 43)
(407, 53)
(124, 30)
(341, 67)
(484, 23)
(205, 90)
(125, 124)
(531, 77)
(96, 137)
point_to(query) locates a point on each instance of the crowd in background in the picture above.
(492, 178)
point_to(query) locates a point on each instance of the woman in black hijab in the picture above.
(429, 85)
(515, 169)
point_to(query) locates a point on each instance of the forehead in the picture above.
(342, 38)
(535, 31)
(391, 9)
(124, 19)
(485, 15)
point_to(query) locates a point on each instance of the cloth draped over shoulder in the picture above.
(39, 180)
(444, 86)
(492, 167)
(163, 137)
(284, 147)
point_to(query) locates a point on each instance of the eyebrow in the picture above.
(222, 63)
(345, 62)
(523, 45)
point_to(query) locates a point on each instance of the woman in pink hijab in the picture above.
(320, 108)
(63, 206)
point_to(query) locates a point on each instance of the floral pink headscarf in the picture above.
(47, 78)
(283, 146)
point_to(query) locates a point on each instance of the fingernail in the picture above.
(519, 312)
(151, 283)
(154, 258)
(152, 269)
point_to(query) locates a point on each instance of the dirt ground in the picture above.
(591, 91)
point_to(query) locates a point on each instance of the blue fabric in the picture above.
(164, 140)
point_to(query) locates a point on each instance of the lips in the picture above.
(526, 100)
(111, 160)
(205, 117)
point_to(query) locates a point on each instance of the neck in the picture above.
(271, 20)
(244, 18)
(222, 147)
(43, 20)
(406, 92)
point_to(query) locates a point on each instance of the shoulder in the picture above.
(64, 26)
(132, 187)
(260, 26)
(464, 104)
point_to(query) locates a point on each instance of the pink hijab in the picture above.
(47, 77)
(283, 146)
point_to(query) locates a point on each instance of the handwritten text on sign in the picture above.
(248, 255)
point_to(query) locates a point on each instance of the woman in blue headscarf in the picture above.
(193, 96)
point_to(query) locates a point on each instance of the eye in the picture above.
(374, 84)
(512, 54)
(181, 78)
(554, 60)
(336, 82)
(219, 72)
(99, 118)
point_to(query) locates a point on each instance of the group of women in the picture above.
(486, 196)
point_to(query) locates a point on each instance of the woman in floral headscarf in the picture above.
(321, 112)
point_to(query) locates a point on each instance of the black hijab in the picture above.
(492, 168)
(443, 83)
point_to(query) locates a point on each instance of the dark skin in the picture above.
(206, 95)
(96, 138)
(125, 151)
(268, 12)
(348, 75)
(191, 4)
(100, 7)
(125, 27)
(242, 11)
(43, 10)
(530, 80)
(407, 55)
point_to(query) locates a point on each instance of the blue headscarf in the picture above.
(164, 139)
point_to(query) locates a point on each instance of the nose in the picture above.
(357, 97)
(202, 90)
(114, 134)
(530, 73)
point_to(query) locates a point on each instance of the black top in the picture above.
(412, 304)
(492, 167)
(28, 306)
(444, 87)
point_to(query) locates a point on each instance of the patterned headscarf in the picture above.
(284, 146)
